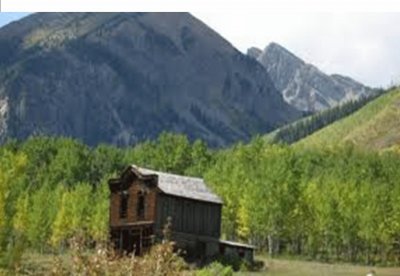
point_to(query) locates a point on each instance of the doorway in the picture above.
(136, 241)
(126, 241)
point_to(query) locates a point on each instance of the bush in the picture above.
(215, 269)
(233, 261)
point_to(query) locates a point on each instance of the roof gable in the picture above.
(181, 186)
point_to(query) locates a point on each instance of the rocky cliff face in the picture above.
(303, 85)
(3, 116)
(125, 77)
(254, 52)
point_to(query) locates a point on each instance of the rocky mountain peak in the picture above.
(305, 86)
(276, 50)
(277, 54)
(254, 52)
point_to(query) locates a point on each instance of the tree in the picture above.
(21, 216)
(200, 159)
(11, 175)
(98, 226)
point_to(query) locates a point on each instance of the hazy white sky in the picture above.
(364, 46)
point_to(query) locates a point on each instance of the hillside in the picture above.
(121, 78)
(375, 126)
(302, 84)
(304, 127)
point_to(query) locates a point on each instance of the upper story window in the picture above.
(140, 209)
(123, 204)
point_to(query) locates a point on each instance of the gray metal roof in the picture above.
(182, 186)
(237, 244)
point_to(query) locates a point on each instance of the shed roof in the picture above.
(182, 186)
(237, 244)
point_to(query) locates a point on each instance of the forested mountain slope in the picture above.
(124, 77)
(304, 127)
(375, 126)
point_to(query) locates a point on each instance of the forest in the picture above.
(341, 204)
(297, 130)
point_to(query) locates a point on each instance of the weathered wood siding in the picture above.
(133, 189)
(189, 216)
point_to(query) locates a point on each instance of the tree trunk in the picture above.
(277, 248)
(270, 245)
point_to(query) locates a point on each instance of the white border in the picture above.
(246, 6)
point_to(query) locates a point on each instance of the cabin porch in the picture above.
(133, 238)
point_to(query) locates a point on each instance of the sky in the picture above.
(364, 46)
(7, 17)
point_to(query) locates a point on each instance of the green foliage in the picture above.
(373, 127)
(77, 213)
(21, 216)
(172, 153)
(336, 204)
(340, 203)
(215, 269)
(11, 177)
(41, 219)
(12, 255)
(52, 189)
(299, 129)
(98, 226)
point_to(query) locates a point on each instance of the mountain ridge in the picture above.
(122, 78)
(303, 85)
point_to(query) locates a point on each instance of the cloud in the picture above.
(363, 46)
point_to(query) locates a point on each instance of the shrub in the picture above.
(215, 269)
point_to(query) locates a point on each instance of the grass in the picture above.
(281, 267)
(44, 265)
(375, 126)
(79, 260)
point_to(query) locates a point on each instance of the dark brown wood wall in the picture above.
(189, 216)
(136, 186)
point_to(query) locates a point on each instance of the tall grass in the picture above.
(161, 260)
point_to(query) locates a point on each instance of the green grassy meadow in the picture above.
(281, 267)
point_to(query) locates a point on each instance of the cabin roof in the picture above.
(182, 186)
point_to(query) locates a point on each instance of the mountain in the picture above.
(124, 77)
(254, 52)
(303, 85)
(375, 126)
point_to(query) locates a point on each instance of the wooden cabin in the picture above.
(143, 200)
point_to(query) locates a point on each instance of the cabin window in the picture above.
(123, 207)
(140, 205)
